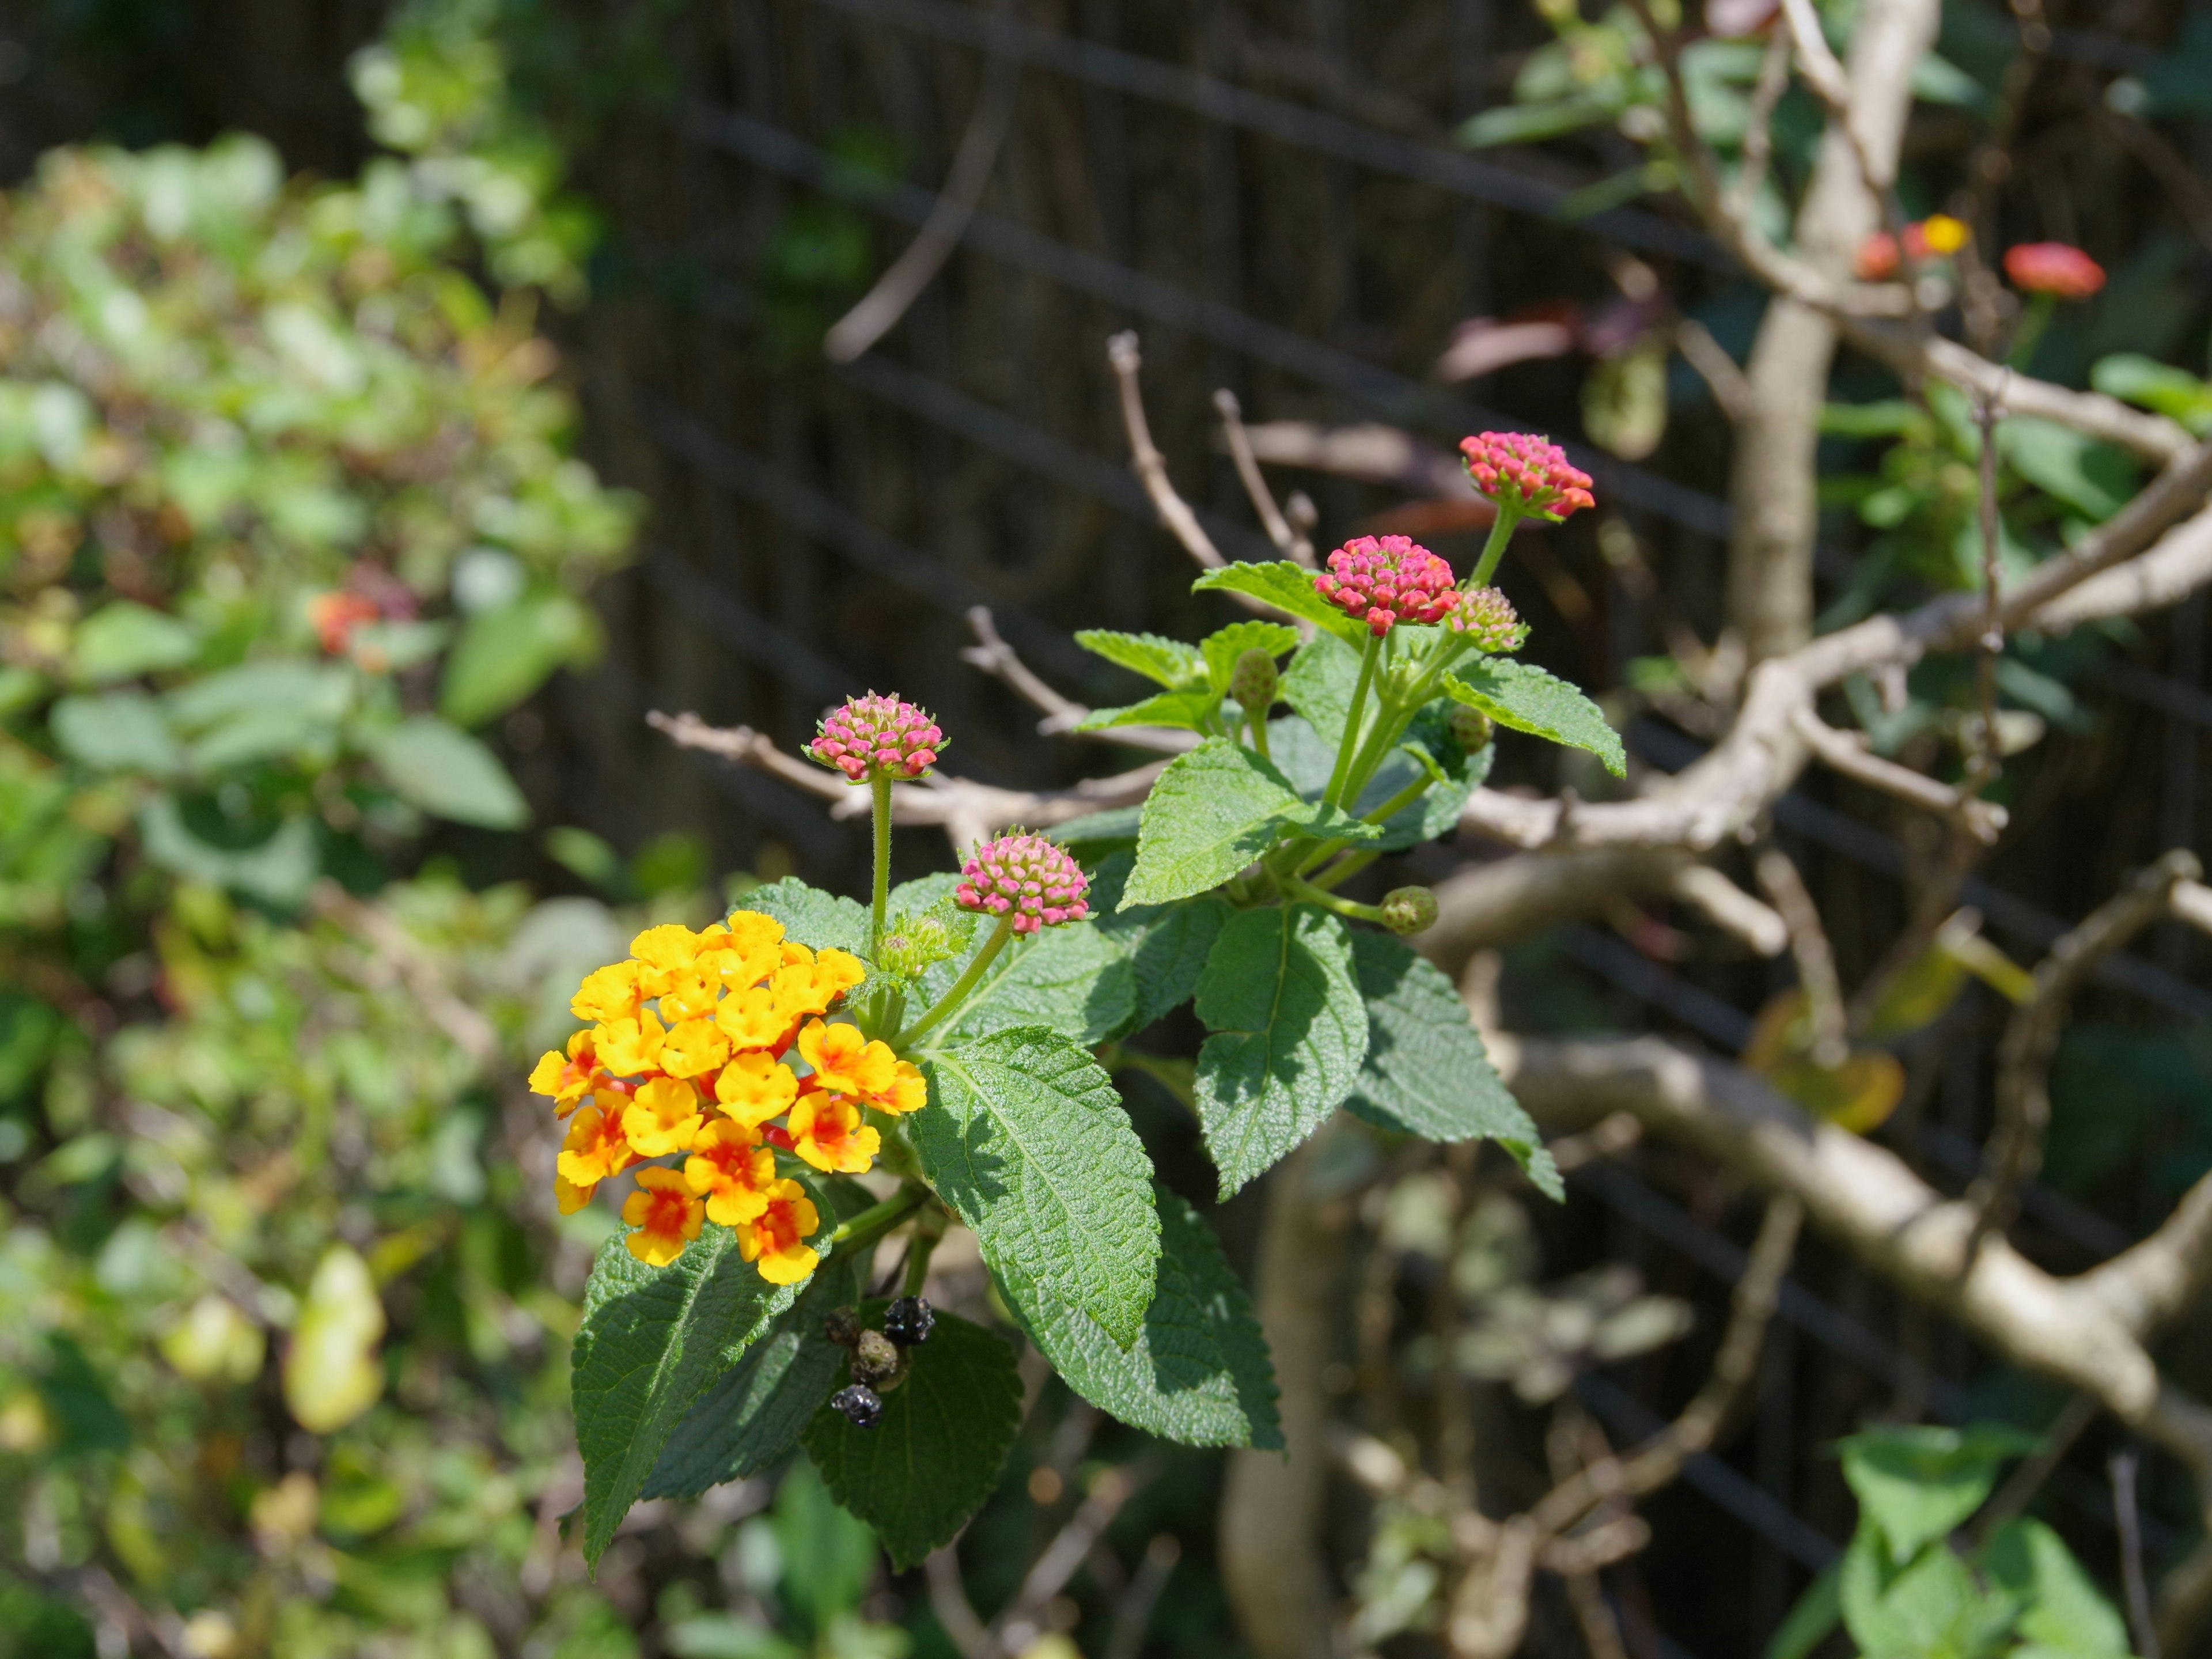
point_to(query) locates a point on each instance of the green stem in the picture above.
(1343, 869)
(953, 998)
(2035, 317)
(1353, 717)
(1344, 907)
(926, 1231)
(1398, 803)
(879, 787)
(1257, 725)
(1501, 531)
(872, 1223)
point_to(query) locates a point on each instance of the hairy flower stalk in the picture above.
(1524, 476)
(877, 740)
(1028, 883)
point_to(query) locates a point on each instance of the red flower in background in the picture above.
(2053, 268)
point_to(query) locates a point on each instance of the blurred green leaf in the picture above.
(505, 654)
(448, 773)
(125, 639)
(120, 731)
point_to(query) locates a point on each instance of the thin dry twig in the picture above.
(1815, 958)
(1847, 752)
(2131, 1563)
(1288, 541)
(1145, 460)
(1735, 912)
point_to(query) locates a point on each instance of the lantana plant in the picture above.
(796, 1085)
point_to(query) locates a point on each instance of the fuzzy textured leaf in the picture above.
(1214, 811)
(1076, 980)
(1280, 995)
(1168, 662)
(1306, 758)
(816, 919)
(1526, 698)
(1320, 683)
(654, 1339)
(1427, 1072)
(1189, 711)
(1027, 1139)
(1198, 1373)
(1222, 647)
(935, 1454)
(1287, 587)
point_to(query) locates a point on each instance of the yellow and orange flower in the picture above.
(754, 1088)
(665, 1215)
(694, 1048)
(607, 994)
(569, 1078)
(772, 1239)
(663, 954)
(664, 1118)
(595, 1149)
(690, 995)
(754, 1018)
(844, 1061)
(826, 1130)
(910, 1090)
(732, 1171)
(808, 984)
(629, 1047)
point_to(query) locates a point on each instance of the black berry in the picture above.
(842, 1327)
(875, 1361)
(862, 1406)
(907, 1321)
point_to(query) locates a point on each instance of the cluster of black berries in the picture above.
(878, 1356)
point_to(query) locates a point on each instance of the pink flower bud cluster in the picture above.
(1386, 580)
(878, 737)
(1486, 616)
(1527, 473)
(1036, 881)
(2053, 268)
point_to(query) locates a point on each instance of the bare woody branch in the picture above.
(1847, 752)
(1288, 540)
(996, 657)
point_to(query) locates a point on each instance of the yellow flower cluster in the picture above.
(687, 1053)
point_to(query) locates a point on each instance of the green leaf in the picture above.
(1280, 994)
(1189, 711)
(1026, 1137)
(1917, 1483)
(120, 731)
(1224, 646)
(277, 867)
(1927, 1607)
(1076, 980)
(1807, 1624)
(1171, 943)
(2094, 478)
(1523, 696)
(817, 920)
(653, 1341)
(2062, 1609)
(1320, 684)
(829, 1553)
(1198, 1371)
(1169, 662)
(320, 691)
(1212, 813)
(754, 1411)
(123, 639)
(1426, 1072)
(448, 773)
(1529, 124)
(934, 1455)
(1289, 588)
(2145, 380)
(506, 653)
(1306, 759)
(1098, 833)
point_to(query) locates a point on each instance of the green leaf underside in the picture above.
(1305, 757)
(1523, 696)
(1222, 647)
(755, 1412)
(1213, 812)
(1076, 980)
(1172, 944)
(1280, 995)
(1167, 662)
(1096, 832)
(1199, 1372)
(935, 1454)
(1027, 1139)
(1320, 683)
(654, 1339)
(1287, 587)
(817, 920)
(1427, 1072)
(1189, 711)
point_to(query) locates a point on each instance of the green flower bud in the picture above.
(1253, 682)
(1409, 910)
(1470, 728)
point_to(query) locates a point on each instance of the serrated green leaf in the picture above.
(1073, 979)
(754, 1411)
(817, 920)
(1281, 996)
(1170, 944)
(120, 731)
(1523, 696)
(1184, 711)
(1212, 813)
(1289, 588)
(1426, 1072)
(1026, 1137)
(448, 773)
(935, 1454)
(1320, 684)
(1306, 758)
(1168, 662)
(1222, 647)
(655, 1339)
(1199, 1372)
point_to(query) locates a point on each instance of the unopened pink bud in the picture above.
(878, 737)
(1036, 881)
(1382, 581)
(1525, 473)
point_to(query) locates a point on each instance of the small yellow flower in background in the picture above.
(628, 1047)
(772, 1239)
(666, 1214)
(694, 1048)
(569, 1078)
(909, 1091)
(827, 1131)
(596, 1148)
(732, 1171)
(844, 1061)
(754, 1088)
(663, 1119)
(607, 994)
(750, 1018)
(1943, 233)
